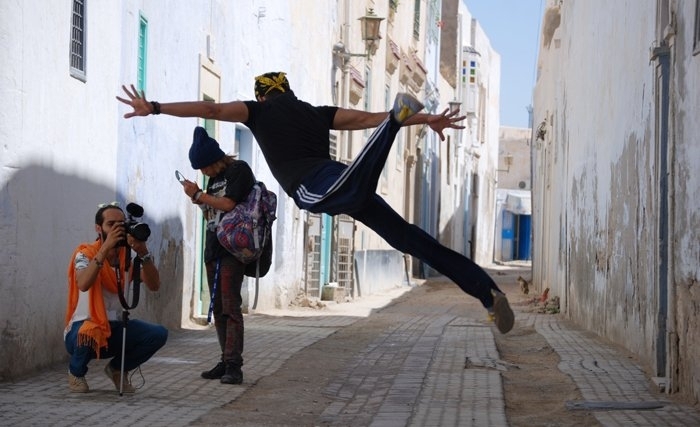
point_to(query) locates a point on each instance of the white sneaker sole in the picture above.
(504, 317)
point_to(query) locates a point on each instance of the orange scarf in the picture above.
(95, 330)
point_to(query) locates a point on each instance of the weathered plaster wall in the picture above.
(684, 281)
(596, 198)
(598, 161)
(54, 137)
(379, 270)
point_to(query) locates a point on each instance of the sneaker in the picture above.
(233, 374)
(405, 106)
(115, 376)
(77, 384)
(216, 372)
(502, 314)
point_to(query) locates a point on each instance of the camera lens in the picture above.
(140, 231)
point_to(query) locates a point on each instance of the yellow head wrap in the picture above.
(269, 81)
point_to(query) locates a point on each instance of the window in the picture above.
(696, 38)
(434, 22)
(141, 60)
(450, 158)
(333, 146)
(209, 124)
(416, 20)
(368, 88)
(77, 41)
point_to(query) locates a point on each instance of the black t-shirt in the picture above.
(293, 136)
(235, 182)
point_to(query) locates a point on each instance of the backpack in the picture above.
(246, 230)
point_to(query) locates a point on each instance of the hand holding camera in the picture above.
(138, 246)
(115, 237)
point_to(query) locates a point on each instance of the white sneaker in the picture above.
(405, 106)
(502, 314)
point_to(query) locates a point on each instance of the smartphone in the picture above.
(180, 177)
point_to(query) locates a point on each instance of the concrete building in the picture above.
(513, 199)
(615, 180)
(468, 158)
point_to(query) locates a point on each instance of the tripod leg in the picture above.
(125, 316)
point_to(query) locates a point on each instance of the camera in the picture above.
(138, 230)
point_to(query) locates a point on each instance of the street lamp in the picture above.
(370, 30)
(369, 26)
(454, 105)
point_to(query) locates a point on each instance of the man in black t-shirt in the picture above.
(294, 138)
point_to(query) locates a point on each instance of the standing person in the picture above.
(94, 327)
(294, 138)
(230, 181)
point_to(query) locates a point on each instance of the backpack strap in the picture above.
(257, 282)
(258, 215)
(213, 289)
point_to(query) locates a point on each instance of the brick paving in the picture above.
(433, 369)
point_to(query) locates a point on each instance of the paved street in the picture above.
(433, 368)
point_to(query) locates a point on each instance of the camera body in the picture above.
(137, 229)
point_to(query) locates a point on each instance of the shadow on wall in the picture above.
(44, 215)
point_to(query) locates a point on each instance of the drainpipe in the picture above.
(661, 54)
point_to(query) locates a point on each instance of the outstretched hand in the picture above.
(137, 101)
(448, 119)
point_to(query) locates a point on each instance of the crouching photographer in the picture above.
(100, 275)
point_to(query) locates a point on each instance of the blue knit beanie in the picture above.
(204, 150)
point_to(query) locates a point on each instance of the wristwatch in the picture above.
(147, 258)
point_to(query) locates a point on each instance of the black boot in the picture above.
(216, 372)
(233, 374)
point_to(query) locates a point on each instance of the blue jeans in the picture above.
(336, 188)
(142, 341)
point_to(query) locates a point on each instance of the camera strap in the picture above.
(136, 285)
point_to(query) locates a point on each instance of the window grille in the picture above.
(77, 41)
(416, 20)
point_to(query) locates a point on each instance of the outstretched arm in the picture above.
(229, 112)
(347, 119)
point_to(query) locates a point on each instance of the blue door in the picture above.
(508, 236)
(524, 228)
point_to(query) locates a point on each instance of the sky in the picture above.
(512, 27)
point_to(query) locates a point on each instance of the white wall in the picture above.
(596, 185)
(481, 157)
(59, 140)
(67, 148)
